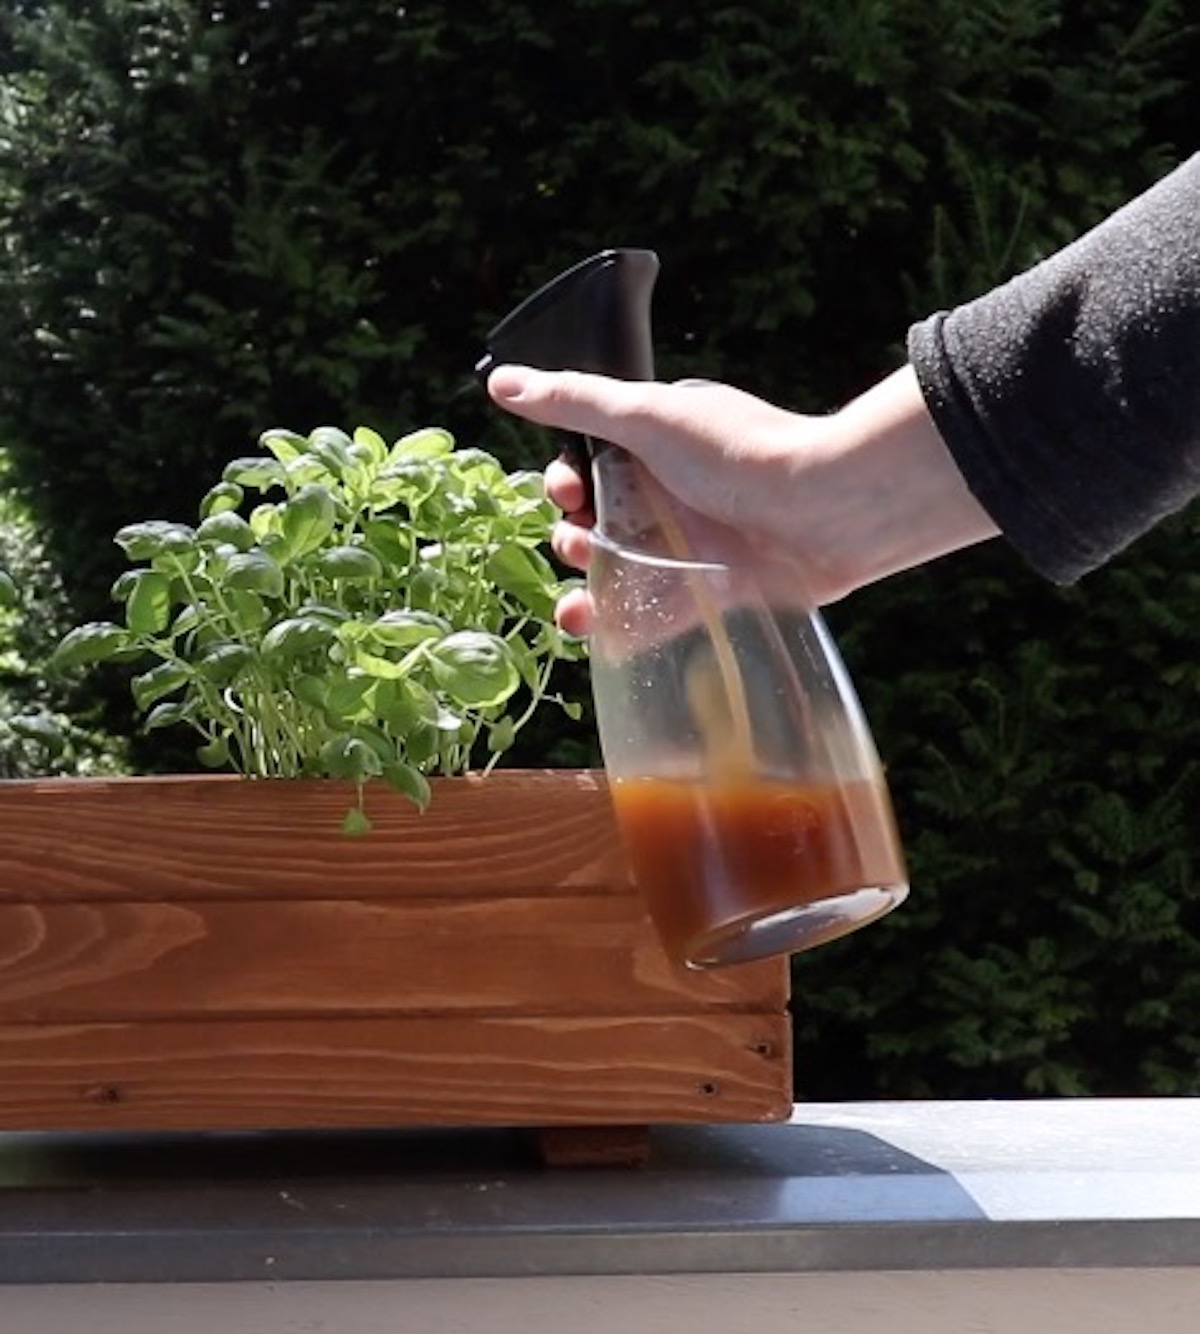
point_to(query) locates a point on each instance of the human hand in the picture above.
(850, 497)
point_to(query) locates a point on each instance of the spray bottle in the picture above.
(746, 784)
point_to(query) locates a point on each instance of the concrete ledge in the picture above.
(884, 1188)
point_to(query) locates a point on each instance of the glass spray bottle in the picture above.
(747, 787)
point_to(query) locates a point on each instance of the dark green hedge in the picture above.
(221, 216)
(217, 218)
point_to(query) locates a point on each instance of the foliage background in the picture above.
(46, 725)
(216, 218)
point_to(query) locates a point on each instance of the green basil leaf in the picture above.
(349, 697)
(295, 638)
(151, 686)
(356, 823)
(249, 610)
(344, 563)
(332, 616)
(220, 499)
(379, 741)
(148, 606)
(409, 781)
(411, 482)
(425, 586)
(307, 519)
(255, 572)
(255, 474)
(222, 663)
(527, 575)
(550, 640)
(167, 715)
(421, 743)
(331, 447)
(405, 629)
(527, 485)
(404, 705)
(372, 442)
(124, 584)
(311, 690)
(345, 756)
(96, 641)
(429, 443)
(391, 541)
(154, 537)
(480, 470)
(501, 735)
(179, 559)
(9, 595)
(264, 519)
(226, 527)
(274, 545)
(375, 665)
(285, 445)
(214, 754)
(475, 669)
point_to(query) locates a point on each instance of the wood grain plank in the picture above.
(213, 836)
(394, 1072)
(66, 962)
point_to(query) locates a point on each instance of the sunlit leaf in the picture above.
(154, 537)
(148, 604)
(255, 474)
(227, 527)
(476, 669)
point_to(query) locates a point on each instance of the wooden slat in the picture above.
(596, 955)
(396, 1072)
(206, 837)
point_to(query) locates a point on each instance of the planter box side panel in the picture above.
(393, 1072)
(568, 954)
(213, 953)
(215, 837)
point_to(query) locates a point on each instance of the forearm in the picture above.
(881, 493)
(1070, 397)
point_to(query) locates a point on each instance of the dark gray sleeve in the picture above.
(1070, 397)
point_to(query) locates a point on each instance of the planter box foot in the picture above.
(593, 1146)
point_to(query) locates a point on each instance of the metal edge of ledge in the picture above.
(321, 1255)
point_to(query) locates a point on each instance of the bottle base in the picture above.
(793, 930)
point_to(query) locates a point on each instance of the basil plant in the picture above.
(344, 608)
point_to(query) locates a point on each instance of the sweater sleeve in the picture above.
(1070, 396)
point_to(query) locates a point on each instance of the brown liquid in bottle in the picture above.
(737, 870)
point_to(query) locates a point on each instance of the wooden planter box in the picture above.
(213, 953)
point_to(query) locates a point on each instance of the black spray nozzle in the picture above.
(594, 317)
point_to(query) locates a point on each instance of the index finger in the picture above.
(591, 405)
